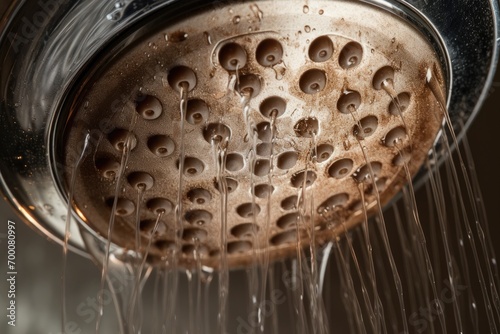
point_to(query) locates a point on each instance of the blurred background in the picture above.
(39, 261)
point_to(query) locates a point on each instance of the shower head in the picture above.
(293, 97)
(267, 100)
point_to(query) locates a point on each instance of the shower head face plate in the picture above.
(325, 76)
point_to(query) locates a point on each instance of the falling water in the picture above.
(220, 146)
(135, 303)
(67, 227)
(127, 146)
(366, 234)
(431, 82)
(134, 309)
(257, 255)
(267, 226)
(419, 235)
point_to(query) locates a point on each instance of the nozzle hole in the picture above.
(273, 106)
(341, 168)
(235, 247)
(232, 56)
(382, 77)
(395, 137)
(140, 180)
(289, 203)
(403, 100)
(161, 146)
(287, 160)
(262, 167)
(216, 132)
(199, 196)
(323, 152)
(289, 220)
(364, 173)
(118, 138)
(351, 55)
(312, 81)
(249, 84)
(181, 76)
(197, 111)
(234, 162)
(321, 49)
(349, 102)
(264, 131)
(269, 52)
(149, 108)
(193, 166)
(264, 149)
(263, 190)
(198, 217)
(301, 179)
(248, 210)
(333, 202)
(160, 205)
(231, 185)
(245, 230)
(368, 124)
(306, 127)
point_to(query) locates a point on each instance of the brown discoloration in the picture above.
(141, 68)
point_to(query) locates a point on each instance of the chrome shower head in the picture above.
(300, 98)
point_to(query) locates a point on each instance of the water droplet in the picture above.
(321, 12)
(114, 16)
(208, 37)
(256, 10)
(307, 29)
(305, 9)
(347, 145)
(280, 71)
(177, 36)
(48, 208)
(236, 19)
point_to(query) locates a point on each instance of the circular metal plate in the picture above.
(339, 129)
